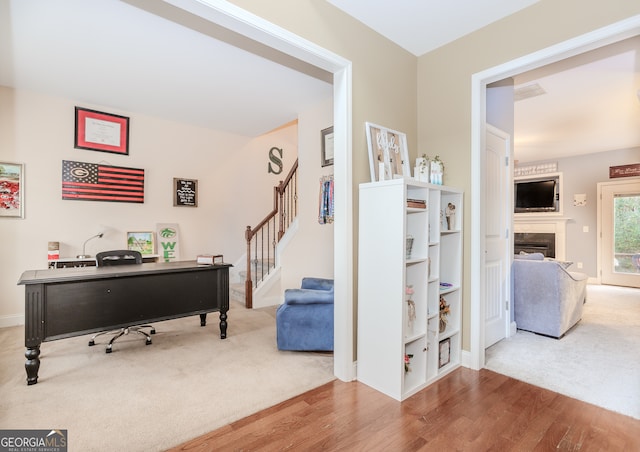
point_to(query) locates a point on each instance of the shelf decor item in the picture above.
(388, 153)
(450, 215)
(409, 246)
(445, 310)
(444, 352)
(437, 170)
(411, 308)
(407, 363)
(421, 170)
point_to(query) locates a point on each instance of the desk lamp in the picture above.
(84, 255)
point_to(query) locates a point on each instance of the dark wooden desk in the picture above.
(70, 302)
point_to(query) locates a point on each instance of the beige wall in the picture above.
(444, 82)
(385, 87)
(383, 76)
(310, 251)
(37, 130)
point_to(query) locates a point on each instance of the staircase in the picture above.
(237, 278)
(262, 240)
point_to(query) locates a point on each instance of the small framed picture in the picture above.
(185, 192)
(98, 131)
(11, 190)
(327, 146)
(141, 241)
(445, 352)
(388, 153)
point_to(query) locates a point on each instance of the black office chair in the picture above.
(121, 257)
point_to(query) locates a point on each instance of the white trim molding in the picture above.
(598, 38)
(256, 28)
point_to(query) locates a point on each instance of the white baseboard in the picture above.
(465, 359)
(11, 320)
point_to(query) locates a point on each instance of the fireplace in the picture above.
(530, 230)
(535, 242)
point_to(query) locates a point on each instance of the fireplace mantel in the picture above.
(544, 223)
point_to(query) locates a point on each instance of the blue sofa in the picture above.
(548, 299)
(304, 322)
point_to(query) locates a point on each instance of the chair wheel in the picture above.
(92, 343)
(108, 350)
(148, 341)
(153, 331)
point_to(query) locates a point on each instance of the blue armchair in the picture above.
(304, 322)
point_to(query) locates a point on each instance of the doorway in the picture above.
(245, 24)
(598, 38)
(619, 233)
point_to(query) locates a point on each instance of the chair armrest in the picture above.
(307, 296)
(317, 283)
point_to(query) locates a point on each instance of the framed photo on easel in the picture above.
(388, 153)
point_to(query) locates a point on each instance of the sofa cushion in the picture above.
(529, 256)
(308, 296)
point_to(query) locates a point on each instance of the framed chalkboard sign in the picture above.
(185, 192)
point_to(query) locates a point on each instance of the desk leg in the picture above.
(203, 319)
(32, 364)
(223, 324)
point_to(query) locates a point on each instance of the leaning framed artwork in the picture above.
(141, 241)
(388, 153)
(444, 352)
(11, 190)
(99, 131)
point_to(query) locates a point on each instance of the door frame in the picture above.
(272, 36)
(598, 38)
(601, 217)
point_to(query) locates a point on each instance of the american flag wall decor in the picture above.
(98, 182)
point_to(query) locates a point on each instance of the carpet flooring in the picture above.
(149, 398)
(597, 361)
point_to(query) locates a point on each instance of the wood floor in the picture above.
(465, 411)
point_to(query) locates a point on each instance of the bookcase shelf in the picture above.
(405, 253)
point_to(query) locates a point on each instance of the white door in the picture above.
(497, 205)
(619, 213)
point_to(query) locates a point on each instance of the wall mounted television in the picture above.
(541, 194)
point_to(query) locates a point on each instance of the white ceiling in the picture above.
(591, 102)
(114, 54)
(146, 56)
(420, 26)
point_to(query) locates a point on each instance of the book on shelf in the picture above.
(418, 203)
(209, 259)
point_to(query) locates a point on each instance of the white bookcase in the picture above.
(432, 269)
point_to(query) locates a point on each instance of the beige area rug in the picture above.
(149, 398)
(597, 361)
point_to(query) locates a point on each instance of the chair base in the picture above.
(122, 332)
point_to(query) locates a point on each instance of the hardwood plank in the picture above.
(467, 410)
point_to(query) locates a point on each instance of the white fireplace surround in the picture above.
(545, 224)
